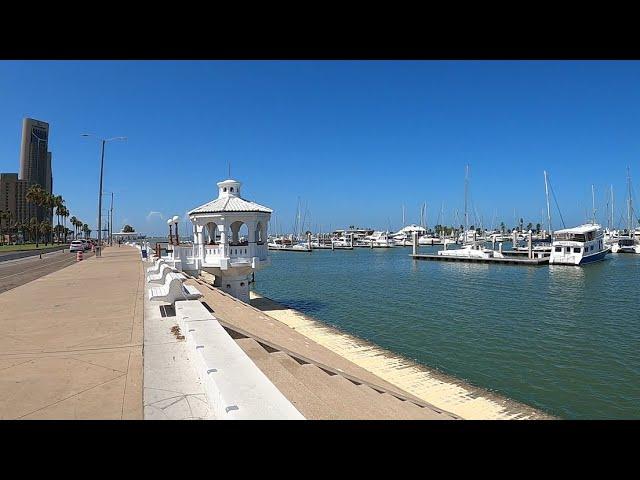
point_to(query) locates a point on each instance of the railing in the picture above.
(235, 253)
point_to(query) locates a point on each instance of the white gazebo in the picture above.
(230, 239)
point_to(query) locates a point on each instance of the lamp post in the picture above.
(170, 223)
(103, 140)
(176, 219)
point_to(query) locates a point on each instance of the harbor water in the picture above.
(559, 338)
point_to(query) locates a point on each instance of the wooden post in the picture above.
(530, 246)
(415, 243)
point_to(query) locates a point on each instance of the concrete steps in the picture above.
(307, 403)
(318, 394)
(334, 390)
(396, 408)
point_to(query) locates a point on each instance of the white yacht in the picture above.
(578, 245)
(380, 240)
(625, 244)
(435, 240)
(404, 236)
(471, 250)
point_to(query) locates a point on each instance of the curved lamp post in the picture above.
(175, 220)
(103, 140)
(170, 223)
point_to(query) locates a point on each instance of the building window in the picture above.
(576, 250)
(224, 189)
(558, 249)
(231, 189)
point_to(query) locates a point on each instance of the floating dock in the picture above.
(512, 260)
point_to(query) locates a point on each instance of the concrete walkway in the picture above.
(71, 342)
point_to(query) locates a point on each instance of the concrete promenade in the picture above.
(71, 342)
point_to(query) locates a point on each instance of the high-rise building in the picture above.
(13, 193)
(34, 165)
(35, 169)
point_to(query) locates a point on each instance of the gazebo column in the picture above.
(223, 238)
(251, 226)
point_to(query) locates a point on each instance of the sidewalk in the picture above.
(71, 342)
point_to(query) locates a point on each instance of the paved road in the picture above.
(14, 273)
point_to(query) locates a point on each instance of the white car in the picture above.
(85, 243)
(76, 246)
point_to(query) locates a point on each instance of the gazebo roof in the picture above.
(230, 204)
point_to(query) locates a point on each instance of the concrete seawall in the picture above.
(440, 390)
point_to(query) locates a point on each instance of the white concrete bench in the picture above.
(173, 290)
(159, 277)
(155, 269)
(236, 388)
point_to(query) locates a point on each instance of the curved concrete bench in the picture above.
(173, 290)
(236, 388)
(155, 269)
(160, 277)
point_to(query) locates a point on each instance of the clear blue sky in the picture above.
(355, 140)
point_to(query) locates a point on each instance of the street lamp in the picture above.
(110, 216)
(170, 223)
(104, 140)
(175, 220)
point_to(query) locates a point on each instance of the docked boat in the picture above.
(626, 244)
(404, 236)
(578, 245)
(471, 250)
(380, 239)
(435, 240)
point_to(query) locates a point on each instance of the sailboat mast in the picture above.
(629, 207)
(612, 207)
(593, 203)
(546, 191)
(466, 187)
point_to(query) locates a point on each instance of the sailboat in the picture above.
(629, 243)
(470, 248)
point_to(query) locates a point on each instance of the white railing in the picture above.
(235, 253)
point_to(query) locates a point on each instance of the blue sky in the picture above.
(355, 140)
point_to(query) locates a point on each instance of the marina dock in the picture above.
(510, 260)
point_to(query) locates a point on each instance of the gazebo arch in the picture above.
(212, 233)
(239, 233)
(261, 234)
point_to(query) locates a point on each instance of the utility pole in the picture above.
(111, 222)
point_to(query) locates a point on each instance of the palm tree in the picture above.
(34, 227)
(66, 230)
(45, 229)
(74, 221)
(36, 196)
(85, 229)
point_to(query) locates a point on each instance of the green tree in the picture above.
(45, 230)
(37, 197)
(74, 222)
(34, 230)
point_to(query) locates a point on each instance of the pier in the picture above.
(508, 260)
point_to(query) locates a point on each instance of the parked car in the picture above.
(85, 244)
(76, 246)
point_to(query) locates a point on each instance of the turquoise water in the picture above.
(559, 338)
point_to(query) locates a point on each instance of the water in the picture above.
(559, 338)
